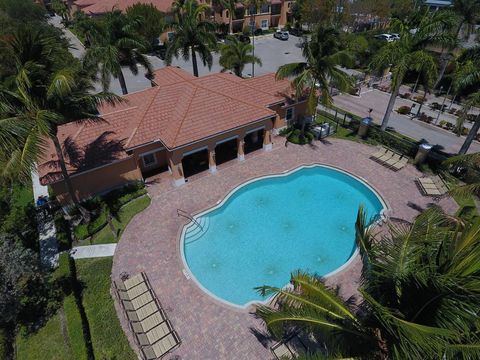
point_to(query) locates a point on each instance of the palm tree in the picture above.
(234, 55)
(229, 5)
(468, 13)
(61, 9)
(419, 295)
(253, 6)
(117, 44)
(410, 52)
(471, 164)
(46, 96)
(319, 70)
(192, 35)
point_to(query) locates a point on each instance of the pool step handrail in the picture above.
(185, 214)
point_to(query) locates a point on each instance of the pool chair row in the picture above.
(390, 159)
(152, 330)
(432, 186)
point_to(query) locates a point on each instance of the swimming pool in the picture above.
(268, 227)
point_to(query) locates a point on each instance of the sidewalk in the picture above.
(46, 229)
(93, 251)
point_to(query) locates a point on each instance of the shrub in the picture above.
(63, 232)
(295, 137)
(442, 123)
(285, 131)
(420, 99)
(406, 96)
(404, 110)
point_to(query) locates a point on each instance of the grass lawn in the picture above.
(108, 339)
(47, 343)
(126, 214)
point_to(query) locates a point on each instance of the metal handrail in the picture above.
(185, 214)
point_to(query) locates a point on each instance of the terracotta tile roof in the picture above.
(180, 110)
(103, 6)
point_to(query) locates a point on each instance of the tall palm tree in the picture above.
(410, 52)
(234, 55)
(254, 6)
(420, 295)
(229, 5)
(117, 44)
(470, 163)
(192, 35)
(320, 68)
(468, 13)
(45, 98)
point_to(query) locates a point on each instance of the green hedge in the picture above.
(63, 232)
(294, 137)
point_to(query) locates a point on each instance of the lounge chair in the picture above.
(138, 302)
(133, 292)
(400, 164)
(281, 351)
(161, 347)
(143, 312)
(155, 334)
(385, 157)
(432, 186)
(379, 153)
(393, 160)
(148, 323)
(130, 282)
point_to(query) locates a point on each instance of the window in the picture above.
(290, 114)
(149, 159)
(265, 9)
(227, 14)
(170, 35)
(264, 24)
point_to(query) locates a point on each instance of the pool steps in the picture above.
(196, 230)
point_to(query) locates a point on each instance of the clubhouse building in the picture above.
(183, 124)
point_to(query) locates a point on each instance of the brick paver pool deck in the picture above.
(212, 330)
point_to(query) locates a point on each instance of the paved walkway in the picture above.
(46, 229)
(93, 251)
(150, 243)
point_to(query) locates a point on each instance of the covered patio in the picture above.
(212, 330)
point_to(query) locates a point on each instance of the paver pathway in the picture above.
(46, 229)
(210, 329)
(93, 251)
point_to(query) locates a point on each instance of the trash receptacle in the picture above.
(422, 153)
(364, 126)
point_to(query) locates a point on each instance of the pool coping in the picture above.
(180, 235)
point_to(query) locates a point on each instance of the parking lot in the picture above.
(271, 51)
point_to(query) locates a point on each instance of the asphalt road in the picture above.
(274, 53)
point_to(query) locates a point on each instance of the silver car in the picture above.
(282, 35)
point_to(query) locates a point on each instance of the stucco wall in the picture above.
(300, 109)
(99, 180)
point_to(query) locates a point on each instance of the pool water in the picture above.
(273, 226)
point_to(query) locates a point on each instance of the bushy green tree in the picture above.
(153, 21)
(234, 55)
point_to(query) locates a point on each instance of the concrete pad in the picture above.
(93, 251)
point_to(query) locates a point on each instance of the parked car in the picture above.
(385, 37)
(282, 35)
(241, 37)
(258, 32)
(295, 32)
(395, 36)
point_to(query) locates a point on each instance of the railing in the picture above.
(186, 215)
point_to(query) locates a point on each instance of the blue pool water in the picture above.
(272, 226)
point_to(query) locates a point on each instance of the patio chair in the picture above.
(281, 351)
(130, 282)
(385, 157)
(432, 186)
(133, 292)
(400, 164)
(379, 153)
(138, 302)
(143, 312)
(160, 348)
(148, 323)
(393, 160)
(155, 334)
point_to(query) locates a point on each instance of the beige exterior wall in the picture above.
(99, 180)
(280, 121)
